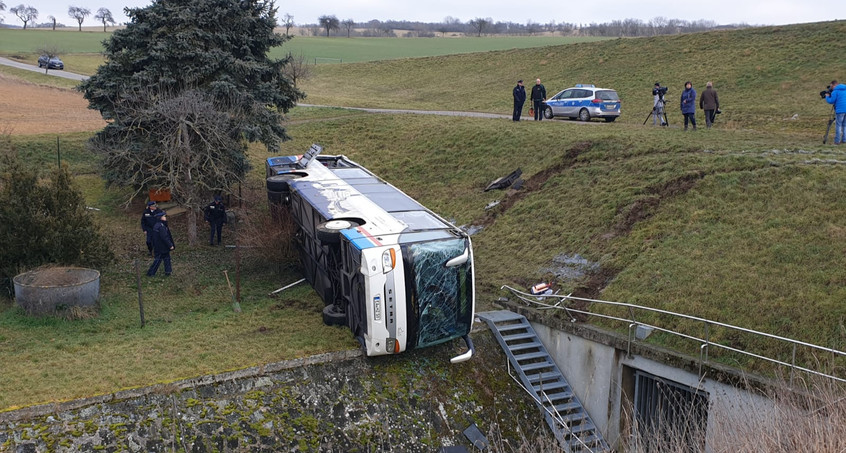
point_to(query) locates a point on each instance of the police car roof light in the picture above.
(585, 85)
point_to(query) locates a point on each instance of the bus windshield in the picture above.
(444, 298)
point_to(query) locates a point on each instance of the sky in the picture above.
(752, 12)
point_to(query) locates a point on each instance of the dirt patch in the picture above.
(26, 108)
(533, 184)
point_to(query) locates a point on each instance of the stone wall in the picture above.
(339, 402)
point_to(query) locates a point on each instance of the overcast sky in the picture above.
(753, 12)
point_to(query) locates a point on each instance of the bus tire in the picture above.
(279, 183)
(330, 232)
(333, 317)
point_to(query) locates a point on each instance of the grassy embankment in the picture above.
(740, 223)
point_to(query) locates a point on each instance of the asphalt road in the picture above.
(33, 68)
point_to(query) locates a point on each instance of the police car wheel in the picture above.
(334, 317)
(584, 115)
(330, 232)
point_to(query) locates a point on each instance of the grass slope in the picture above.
(763, 75)
(740, 224)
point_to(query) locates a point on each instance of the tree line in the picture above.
(330, 25)
(28, 13)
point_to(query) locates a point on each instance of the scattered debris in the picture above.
(492, 204)
(505, 182)
(795, 116)
(570, 267)
(286, 287)
(472, 229)
(475, 436)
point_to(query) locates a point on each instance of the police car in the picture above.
(583, 102)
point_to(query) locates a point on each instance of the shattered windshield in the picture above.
(444, 294)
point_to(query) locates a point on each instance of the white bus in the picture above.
(394, 272)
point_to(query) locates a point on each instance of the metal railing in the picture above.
(705, 343)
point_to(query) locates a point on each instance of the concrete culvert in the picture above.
(57, 289)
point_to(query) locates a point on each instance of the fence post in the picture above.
(140, 297)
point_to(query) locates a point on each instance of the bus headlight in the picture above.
(389, 260)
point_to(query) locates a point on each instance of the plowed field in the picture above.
(27, 108)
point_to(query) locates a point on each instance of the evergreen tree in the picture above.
(208, 58)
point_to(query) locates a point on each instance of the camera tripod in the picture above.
(831, 118)
(658, 110)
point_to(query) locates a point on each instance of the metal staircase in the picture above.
(539, 375)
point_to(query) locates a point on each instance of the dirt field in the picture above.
(32, 109)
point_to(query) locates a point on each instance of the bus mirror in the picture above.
(468, 354)
(460, 259)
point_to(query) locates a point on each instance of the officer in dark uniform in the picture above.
(148, 221)
(215, 215)
(162, 245)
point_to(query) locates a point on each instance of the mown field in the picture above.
(81, 50)
(741, 224)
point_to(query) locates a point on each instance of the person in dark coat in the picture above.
(519, 100)
(710, 103)
(538, 96)
(162, 245)
(688, 105)
(148, 221)
(215, 215)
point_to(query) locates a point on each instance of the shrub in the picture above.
(45, 220)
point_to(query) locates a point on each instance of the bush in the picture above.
(45, 221)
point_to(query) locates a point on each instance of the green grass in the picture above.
(740, 224)
(764, 76)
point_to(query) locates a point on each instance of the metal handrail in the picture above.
(705, 343)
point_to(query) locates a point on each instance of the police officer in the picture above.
(215, 215)
(148, 221)
(538, 96)
(162, 245)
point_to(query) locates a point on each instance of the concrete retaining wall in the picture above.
(340, 402)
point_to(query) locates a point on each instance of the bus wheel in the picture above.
(279, 183)
(333, 317)
(330, 232)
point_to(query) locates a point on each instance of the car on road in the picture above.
(50, 62)
(584, 102)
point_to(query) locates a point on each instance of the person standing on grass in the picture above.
(710, 103)
(215, 215)
(519, 99)
(162, 245)
(538, 96)
(837, 98)
(148, 221)
(688, 105)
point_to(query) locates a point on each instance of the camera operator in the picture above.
(836, 96)
(658, 93)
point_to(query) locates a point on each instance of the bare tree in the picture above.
(329, 23)
(105, 16)
(2, 8)
(296, 68)
(79, 13)
(348, 24)
(532, 27)
(25, 13)
(288, 23)
(194, 152)
(53, 19)
(478, 25)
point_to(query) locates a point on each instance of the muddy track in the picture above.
(628, 216)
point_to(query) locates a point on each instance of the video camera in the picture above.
(660, 91)
(825, 93)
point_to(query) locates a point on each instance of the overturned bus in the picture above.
(394, 272)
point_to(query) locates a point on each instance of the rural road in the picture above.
(33, 68)
(70, 75)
